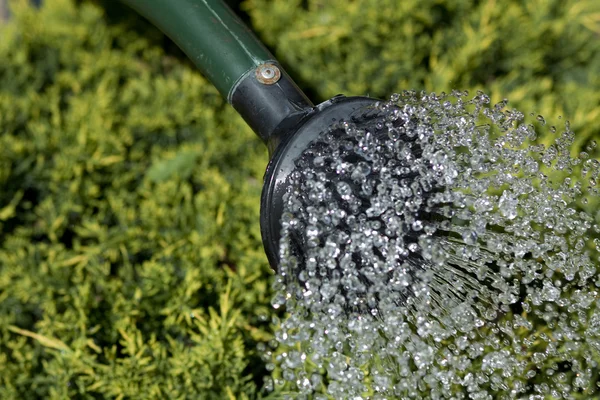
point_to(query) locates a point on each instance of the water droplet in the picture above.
(438, 259)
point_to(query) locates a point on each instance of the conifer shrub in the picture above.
(542, 55)
(130, 263)
(130, 257)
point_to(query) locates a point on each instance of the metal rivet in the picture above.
(268, 74)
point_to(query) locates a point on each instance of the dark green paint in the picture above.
(211, 35)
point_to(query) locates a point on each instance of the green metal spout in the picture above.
(211, 35)
(229, 55)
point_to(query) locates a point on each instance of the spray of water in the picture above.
(433, 249)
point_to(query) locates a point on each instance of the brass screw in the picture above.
(268, 74)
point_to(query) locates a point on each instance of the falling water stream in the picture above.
(433, 248)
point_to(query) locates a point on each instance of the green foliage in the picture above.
(130, 263)
(543, 55)
(130, 256)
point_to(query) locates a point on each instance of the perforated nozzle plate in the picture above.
(339, 108)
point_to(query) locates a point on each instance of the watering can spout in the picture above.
(234, 61)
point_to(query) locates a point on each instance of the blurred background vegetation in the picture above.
(131, 264)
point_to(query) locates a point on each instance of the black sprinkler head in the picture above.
(287, 122)
(290, 146)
